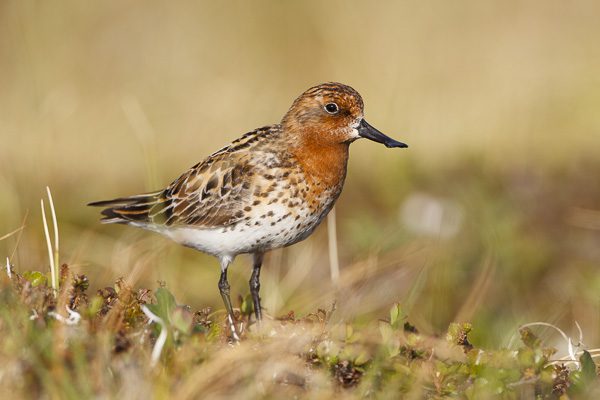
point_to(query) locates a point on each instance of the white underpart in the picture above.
(273, 231)
(225, 260)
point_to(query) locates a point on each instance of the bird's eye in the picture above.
(331, 108)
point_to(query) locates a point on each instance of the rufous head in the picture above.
(332, 113)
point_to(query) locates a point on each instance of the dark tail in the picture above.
(131, 209)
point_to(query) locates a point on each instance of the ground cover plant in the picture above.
(130, 342)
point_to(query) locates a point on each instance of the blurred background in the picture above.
(491, 216)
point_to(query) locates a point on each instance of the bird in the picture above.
(266, 190)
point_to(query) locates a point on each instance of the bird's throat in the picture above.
(324, 165)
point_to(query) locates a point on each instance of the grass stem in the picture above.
(53, 254)
(334, 262)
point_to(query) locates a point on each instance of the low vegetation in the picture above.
(127, 342)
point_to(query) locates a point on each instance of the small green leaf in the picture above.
(247, 306)
(396, 315)
(165, 304)
(36, 278)
(386, 331)
(94, 306)
(181, 319)
(588, 367)
(585, 376)
(361, 359)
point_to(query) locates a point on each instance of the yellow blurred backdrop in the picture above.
(112, 98)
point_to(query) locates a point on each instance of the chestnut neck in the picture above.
(324, 162)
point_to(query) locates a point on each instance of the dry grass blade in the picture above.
(54, 227)
(53, 279)
(12, 233)
(52, 250)
(21, 230)
(334, 261)
(162, 337)
(8, 268)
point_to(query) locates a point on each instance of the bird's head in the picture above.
(331, 114)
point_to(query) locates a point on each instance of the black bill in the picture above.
(367, 131)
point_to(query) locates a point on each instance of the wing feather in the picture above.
(211, 194)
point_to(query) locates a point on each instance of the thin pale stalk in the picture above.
(55, 228)
(21, 230)
(11, 233)
(49, 244)
(8, 268)
(162, 337)
(334, 262)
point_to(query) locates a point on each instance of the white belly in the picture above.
(266, 229)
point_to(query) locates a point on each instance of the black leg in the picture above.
(255, 285)
(224, 289)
